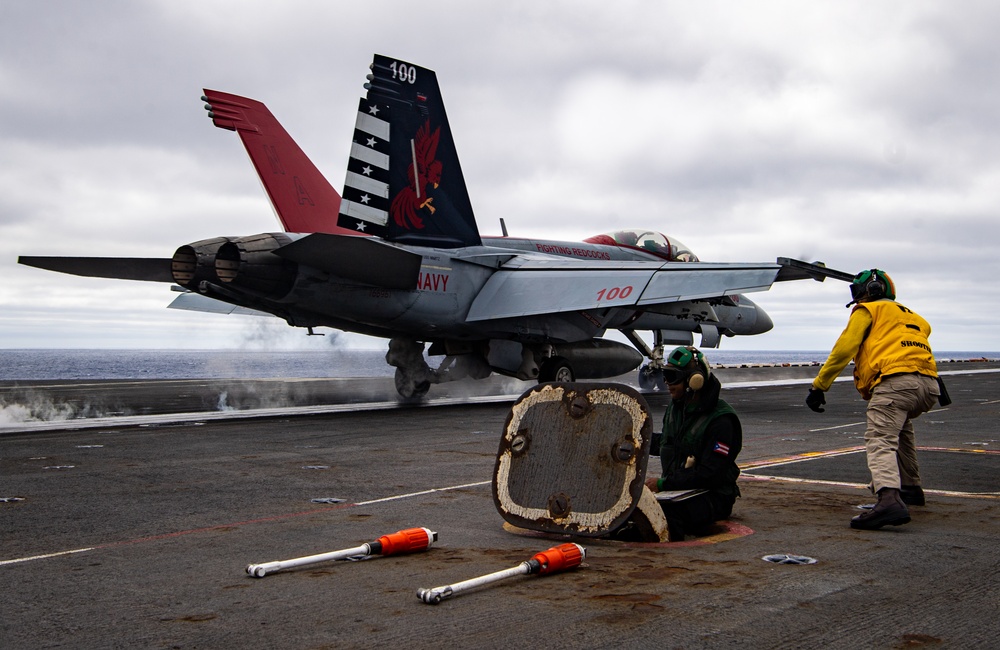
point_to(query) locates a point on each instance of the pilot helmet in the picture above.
(872, 284)
(687, 363)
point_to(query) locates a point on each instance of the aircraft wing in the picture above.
(529, 286)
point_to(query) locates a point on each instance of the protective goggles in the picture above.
(673, 375)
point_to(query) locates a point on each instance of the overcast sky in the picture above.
(857, 133)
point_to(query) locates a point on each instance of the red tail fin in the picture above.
(303, 198)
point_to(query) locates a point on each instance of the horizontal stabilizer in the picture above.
(361, 259)
(799, 270)
(120, 268)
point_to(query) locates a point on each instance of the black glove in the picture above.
(816, 400)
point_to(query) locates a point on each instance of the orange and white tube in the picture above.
(557, 558)
(409, 540)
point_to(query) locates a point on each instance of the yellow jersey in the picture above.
(884, 338)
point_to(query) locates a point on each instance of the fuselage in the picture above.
(246, 273)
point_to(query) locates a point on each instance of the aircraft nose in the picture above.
(762, 322)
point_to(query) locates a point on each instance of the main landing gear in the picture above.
(414, 377)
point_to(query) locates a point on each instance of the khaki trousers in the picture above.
(889, 441)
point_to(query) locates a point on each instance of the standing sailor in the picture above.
(895, 371)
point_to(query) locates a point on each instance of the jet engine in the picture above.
(195, 263)
(245, 263)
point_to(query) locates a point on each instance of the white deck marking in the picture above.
(397, 497)
(46, 556)
(838, 426)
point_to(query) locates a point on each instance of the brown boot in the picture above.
(889, 511)
(912, 495)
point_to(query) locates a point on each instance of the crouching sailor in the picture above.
(702, 437)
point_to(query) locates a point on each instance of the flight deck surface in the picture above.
(138, 535)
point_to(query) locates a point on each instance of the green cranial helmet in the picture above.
(687, 363)
(872, 284)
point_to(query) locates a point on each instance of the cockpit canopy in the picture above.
(656, 243)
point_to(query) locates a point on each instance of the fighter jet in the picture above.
(399, 256)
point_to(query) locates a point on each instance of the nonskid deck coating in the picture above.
(173, 514)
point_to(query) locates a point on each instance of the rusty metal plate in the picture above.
(572, 459)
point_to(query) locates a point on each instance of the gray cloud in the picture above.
(860, 134)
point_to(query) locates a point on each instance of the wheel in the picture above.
(555, 369)
(651, 379)
(646, 381)
(408, 388)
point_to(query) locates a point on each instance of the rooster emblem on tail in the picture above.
(414, 202)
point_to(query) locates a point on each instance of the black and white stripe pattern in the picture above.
(365, 203)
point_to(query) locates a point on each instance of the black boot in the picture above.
(889, 511)
(912, 495)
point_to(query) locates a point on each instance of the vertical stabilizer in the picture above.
(404, 181)
(302, 197)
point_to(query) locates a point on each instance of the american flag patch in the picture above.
(721, 449)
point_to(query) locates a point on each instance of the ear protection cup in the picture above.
(699, 376)
(872, 284)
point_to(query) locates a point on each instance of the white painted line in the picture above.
(864, 486)
(790, 381)
(417, 494)
(46, 556)
(790, 479)
(200, 417)
(968, 372)
(159, 537)
(839, 426)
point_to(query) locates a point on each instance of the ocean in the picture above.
(46, 364)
